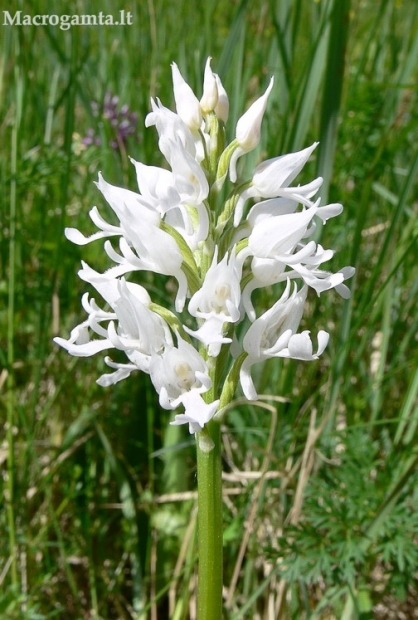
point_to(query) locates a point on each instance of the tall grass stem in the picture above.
(11, 332)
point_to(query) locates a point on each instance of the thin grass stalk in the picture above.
(184, 567)
(304, 101)
(408, 418)
(54, 514)
(255, 503)
(88, 529)
(368, 38)
(209, 482)
(332, 94)
(73, 70)
(368, 292)
(149, 438)
(43, 282)
(255, 595)
(377, 396)
(11, 466)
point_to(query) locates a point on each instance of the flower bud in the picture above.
(249, 125)
(187, 104)
(209, 98)
(222, 107)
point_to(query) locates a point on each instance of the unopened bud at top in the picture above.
(222, 107)
(249, 125)
(187, 104)
(209, 98)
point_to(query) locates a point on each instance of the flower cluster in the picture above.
(218, 250)
(121, 121)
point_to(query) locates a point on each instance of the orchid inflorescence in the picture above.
(217, 250)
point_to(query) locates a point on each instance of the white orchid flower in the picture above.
(131, 326)
(217, 302)
(188, 176)
(180, 376)
(141, 238)
(157, 187)
(170, 125)
(272, 178)
(178, 195)
(273, 334)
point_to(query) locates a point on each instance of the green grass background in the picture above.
(99, 512)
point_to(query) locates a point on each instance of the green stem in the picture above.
(209, 482)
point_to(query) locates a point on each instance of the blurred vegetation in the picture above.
(98, 518)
